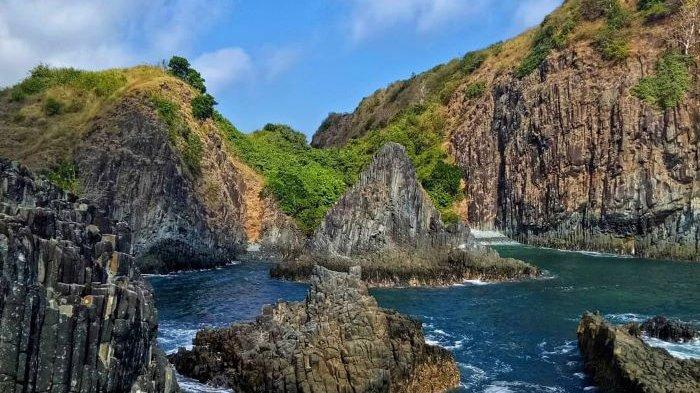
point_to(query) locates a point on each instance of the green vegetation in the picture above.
(65, 176)
(203, 106)
(179, 133)
(670, 83)
(612, 40)
(655, 9)
(180, 67)
(42, 78)
(443, 80)
(52, 106)
(552, 34)
(475, 89)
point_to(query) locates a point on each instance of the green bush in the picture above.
(188, 143)
(65, 176)
(180, 67)
(668, 86)
(203, 106)
(475, 89)
(656, 9)
(612, 40)
(52, 106)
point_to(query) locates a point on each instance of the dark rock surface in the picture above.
(74, 313)
(337, 340)
(670, 330)
(387, 224)
(621, 362)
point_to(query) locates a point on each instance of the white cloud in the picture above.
(279, 60)
(531, 12)
(373, 16)
(94, 34)
(224, 67)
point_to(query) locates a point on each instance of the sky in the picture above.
(265, 61)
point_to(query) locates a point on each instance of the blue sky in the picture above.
(265, 61)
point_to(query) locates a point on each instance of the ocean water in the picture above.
(508, 337)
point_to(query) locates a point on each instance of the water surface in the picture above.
(510, 337)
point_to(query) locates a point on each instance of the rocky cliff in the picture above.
(566, 156)
(337, 340)
(74, 313)
(142, 156)
(388, 224)
(620, 361)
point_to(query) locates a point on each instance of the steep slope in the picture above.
(140, 153)
(564, 139)
(74, 312)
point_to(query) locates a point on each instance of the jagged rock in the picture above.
(74, 313)
(337, 340)
(622, 362)
(670, 330)
(387, 224)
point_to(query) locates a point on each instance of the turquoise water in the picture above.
(510, 337)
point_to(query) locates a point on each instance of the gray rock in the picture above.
(337, 340)
(75, 315)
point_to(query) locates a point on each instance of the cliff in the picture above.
(621, 361)
(74, 312)
(565, 153)
(136, 149)
(337, 340)
(387, 224)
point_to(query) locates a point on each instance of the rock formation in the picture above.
(74, 313)
(566, 157)
(387, 224)
(670, 330)
(622, 362)
(337, 340)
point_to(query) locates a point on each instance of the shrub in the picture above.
(52, 106)
(180, 67)
(612, 41)
(65, 176)
(472, 61)
(475, 89)
(203, 106)
(656, 9)
(668, 86)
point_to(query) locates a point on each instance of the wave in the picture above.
(520, 386)
(440, 338)
(685, 350)
(179, 272)
(626, 318)
(189, 385)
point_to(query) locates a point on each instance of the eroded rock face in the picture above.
(386, 210)
(670, 330)
(622, 362)
(337, 340)
(74, 313)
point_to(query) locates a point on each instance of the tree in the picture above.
(179, 66)
(203, 106)
(686, 28)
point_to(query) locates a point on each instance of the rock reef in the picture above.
(337, 340)
(74, 313)
(670, 330)
(620, 361)
(387, 224)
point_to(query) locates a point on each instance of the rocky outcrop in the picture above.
(74, 313)
(566, 157)
(387, 224)
(622, 362)
(670, 330)
(337, 340)
(387, 209)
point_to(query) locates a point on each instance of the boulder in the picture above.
(670, 330)
(337, 340)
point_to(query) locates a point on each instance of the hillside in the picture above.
(129, 139)
(581, 133)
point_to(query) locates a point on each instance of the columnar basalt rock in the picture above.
(337, 340)
(620, 361)
(74, 313)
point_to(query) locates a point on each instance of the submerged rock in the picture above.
(337, 340)
(620, 361)
(75, 315)
(387, 224)
(670, 330)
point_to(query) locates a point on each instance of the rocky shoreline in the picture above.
(75, 315)
(619, 360)
(337, 340)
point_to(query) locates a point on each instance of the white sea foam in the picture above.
(626, 317)
(580, 375)
(520, 386)
(189, 385)
(492, 238)
(685, 350)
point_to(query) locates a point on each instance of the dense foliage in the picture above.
(551, 34)
(42, 77)
(612, 40)
(203, 104)
(667, 87)
(65, 176)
